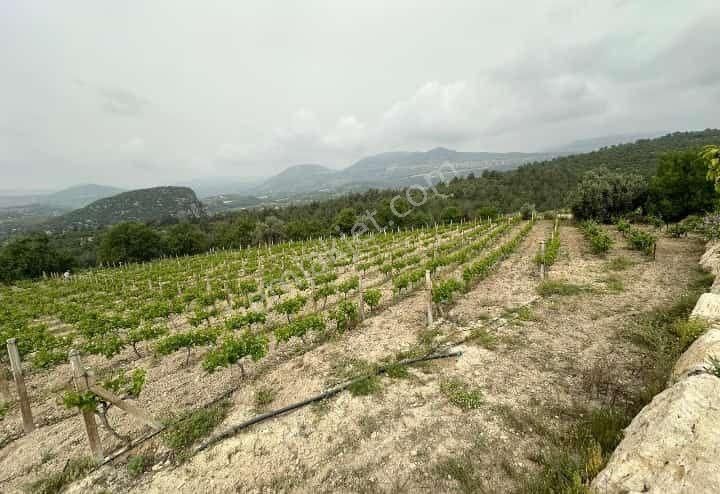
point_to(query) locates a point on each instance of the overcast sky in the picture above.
(150, 92)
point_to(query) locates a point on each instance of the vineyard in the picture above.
(232, 334)
(233, 307)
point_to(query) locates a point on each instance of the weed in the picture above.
(397, 371)
(350, 368)
(688, 331)
(462, 470)
(614, 284)
(563, 288)
(4, 407)
(192, 427)
(619, 264)
(366, 386)
(461, 394)
(484, 338)
(75, 469)
(137, 465)
(264, 396)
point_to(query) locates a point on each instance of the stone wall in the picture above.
(673, 444)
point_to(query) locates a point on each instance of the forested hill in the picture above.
(546, 184)
(144, 205)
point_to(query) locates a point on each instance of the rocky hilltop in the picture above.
(143, 205)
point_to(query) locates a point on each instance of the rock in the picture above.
(695, 358)
(673, 444)
(707, 307)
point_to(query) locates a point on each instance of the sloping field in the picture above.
(530, 365)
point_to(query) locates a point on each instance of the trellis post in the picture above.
(428, 286)
(80, 379)
(361, 303)
(16, 366)
(542, 259)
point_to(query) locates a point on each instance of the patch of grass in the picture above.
(484, 338)
(397, 371)
(138, 464)
(569, 467)
(562, 288)
(75, 469)
(4, 407)
(614, 284)
(571, 461)
(461, 394)
(619, 264)
(702, 281)
(190, 428)
(350, 368)
(463, 471)
(689, 331)
(264, 396)
(464, 468)
(521, 420)
(366, 386)
(426, 338)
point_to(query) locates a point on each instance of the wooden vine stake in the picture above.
(361, 302)
(428, 286)
(16, 366)
(542, 259)
(81, 381)
(4, 386)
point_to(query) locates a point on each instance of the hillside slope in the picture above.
(144, 205)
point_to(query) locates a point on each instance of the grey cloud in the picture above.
(244, 89)
(122, 102)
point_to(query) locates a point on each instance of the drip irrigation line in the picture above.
(266, 416)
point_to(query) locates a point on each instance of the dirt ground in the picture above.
(407, 437)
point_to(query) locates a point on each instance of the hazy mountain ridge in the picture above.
(390, 170)
(143, 205)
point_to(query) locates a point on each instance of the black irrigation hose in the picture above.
(322, 396)
(266, 416)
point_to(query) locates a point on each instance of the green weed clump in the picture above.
(461, 394)
(75, 469)
(191, 427)
(563, 288)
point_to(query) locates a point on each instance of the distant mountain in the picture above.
(595, 143)
(144, 205)
(79, 196)
(391, 170)
(297, 179)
